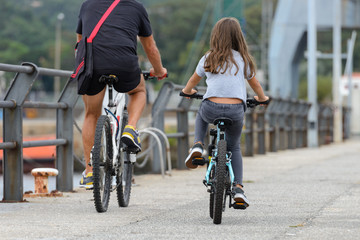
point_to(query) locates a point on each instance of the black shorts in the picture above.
(127, 81)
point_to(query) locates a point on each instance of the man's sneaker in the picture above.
(240, 199)
(196, 151)
(87, 181)
(131, 138)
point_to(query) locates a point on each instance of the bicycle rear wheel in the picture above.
(102, 154)
(220, 177)
(124, 175)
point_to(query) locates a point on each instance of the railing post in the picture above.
(158, 118)
(260, 122)
(290, 124)
(305, 121)
(282, 124)
(298, 136)
(321, 124)
(249, 132)
(331, 123)
(272, 113)
(183, 127)
(346, 124)
(13, 120)
(65, 130)
(329, 126)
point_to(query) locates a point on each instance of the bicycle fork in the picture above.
(208, 182)
(212, 164)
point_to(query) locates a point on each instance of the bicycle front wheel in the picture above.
(124, 175)
(102, 154)
(212, 193)
(220, 177)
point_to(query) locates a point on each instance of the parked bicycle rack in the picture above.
(153, 132)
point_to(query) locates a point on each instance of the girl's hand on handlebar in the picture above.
(261, 100)
(160, 75)
(193, 91)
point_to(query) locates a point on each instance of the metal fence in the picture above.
(281, 125)
(13, 104)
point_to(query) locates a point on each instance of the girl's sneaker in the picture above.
(240, 198)
(196, 151)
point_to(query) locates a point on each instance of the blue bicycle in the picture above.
(219, 176)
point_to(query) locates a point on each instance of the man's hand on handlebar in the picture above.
(160, 75)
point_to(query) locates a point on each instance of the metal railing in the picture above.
(13, 104)
(281, 125)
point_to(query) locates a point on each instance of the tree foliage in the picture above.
(27, 32)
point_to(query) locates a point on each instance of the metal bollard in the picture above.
(41, 183)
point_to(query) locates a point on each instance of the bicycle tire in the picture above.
(211, 205)
(102, 155)
(220, 177)
(124, 175)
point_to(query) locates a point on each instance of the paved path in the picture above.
(298, 194)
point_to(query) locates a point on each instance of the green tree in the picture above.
(175, 24)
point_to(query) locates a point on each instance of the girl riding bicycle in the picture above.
(226, 66)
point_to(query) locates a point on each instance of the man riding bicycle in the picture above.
(115, 53)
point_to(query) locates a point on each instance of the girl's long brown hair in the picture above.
(227, 35)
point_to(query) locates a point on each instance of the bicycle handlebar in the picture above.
(195, 95)
(250, 102)
(147, 75)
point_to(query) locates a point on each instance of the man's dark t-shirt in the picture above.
(114, 46)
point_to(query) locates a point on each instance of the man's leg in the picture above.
(93, 105)
(137, 102)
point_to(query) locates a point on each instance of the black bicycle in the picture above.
(219, 176)
(109, 156)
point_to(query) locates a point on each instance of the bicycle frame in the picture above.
(219, 136)
(114, 104)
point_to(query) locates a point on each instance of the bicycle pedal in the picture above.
(199, 161)
(239, 205)
(131, 150)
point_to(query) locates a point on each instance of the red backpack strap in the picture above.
(102, 20)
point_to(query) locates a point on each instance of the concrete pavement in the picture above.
(294, 194)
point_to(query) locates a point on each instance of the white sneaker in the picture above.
(240, 198)
(196, 151)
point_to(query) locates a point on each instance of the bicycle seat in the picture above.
(108, 79)
(226, 121)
